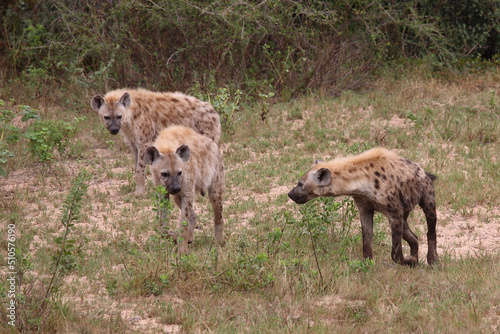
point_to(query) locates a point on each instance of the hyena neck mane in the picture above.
(353, 176)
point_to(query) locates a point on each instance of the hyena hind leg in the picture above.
(411, 238)
(398, 230)
(428, 205)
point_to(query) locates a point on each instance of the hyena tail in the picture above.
(431, 176)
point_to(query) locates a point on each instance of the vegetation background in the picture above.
(293, 81)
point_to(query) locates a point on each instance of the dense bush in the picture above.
(260, 46)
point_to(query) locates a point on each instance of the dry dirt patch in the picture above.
(458, 235)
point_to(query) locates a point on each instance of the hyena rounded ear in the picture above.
(183, 152)
(150, 155)
(125, 100)
(97, 102)
(318, 161)
(323, 176)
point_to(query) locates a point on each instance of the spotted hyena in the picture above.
(139, 115)
(184, 162)
(378, 180)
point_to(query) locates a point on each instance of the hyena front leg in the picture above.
(187, 222)
(366, 215)
(163, 214)
(140, 169)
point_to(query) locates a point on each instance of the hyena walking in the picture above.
(139, 115)
(185, 162)
(378, 180)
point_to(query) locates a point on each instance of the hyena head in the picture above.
(167, 168)
(111, 114)
(311, 185)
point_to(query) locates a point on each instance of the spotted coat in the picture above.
(139, 115)
(185, 162)
(378, 180)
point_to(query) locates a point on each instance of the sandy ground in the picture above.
(458, 235)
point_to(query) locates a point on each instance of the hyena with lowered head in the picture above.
(378, 180)
(185, 162)
(139, 115)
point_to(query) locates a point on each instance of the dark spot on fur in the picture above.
(352, 169)
(336, 173)
(384, 177)
(391, 176)
(377, 185)
(371, 165)
(383, 169)
(377, 173)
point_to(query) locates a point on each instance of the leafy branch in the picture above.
(71, 214)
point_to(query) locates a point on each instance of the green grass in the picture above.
(284, 268)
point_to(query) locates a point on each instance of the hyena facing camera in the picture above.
(139, 115)
(185, 162)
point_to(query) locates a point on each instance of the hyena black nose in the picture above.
(174, 190)
(114, 131)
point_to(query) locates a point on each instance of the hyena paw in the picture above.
(410, 261)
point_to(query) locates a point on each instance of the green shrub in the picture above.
(9, 132)
(257, 46)
(44, 137)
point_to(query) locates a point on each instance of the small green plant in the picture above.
(112, 287)
(36, 306)
(361, 266)
(224, 101)
(46, 136)
(5, 154)
(161, 204)
(319, 221)
(64, 259)
(10, 133)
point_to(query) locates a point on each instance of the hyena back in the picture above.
(185, 162)
(378, 180)
(139, 115)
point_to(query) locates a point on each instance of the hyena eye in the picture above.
(300, 184)
(118, 117)
(179, 174)
(106, 118)
(165, 174)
